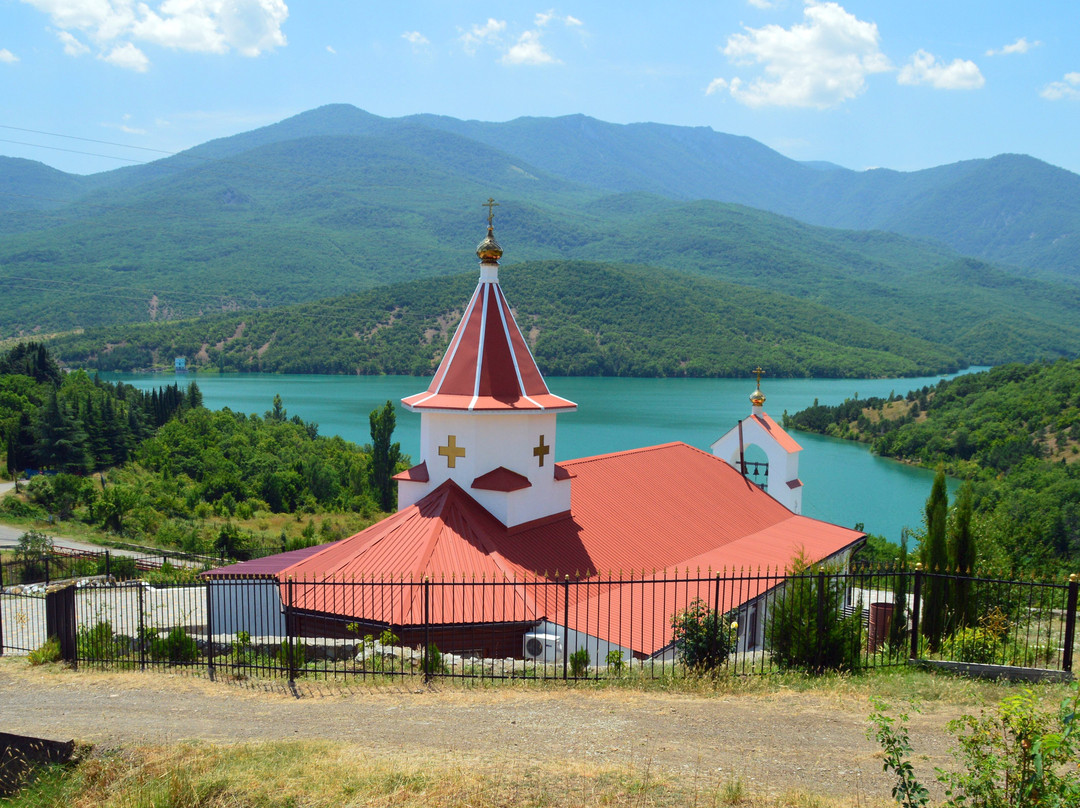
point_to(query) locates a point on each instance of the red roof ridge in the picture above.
(501, 478)
(778, 432)
(625, 452)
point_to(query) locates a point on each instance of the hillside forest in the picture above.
(158, 468)
(1011, 432)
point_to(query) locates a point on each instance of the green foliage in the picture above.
(892, 736)
(432, 662)
(1012, 432)
(121, 567)
(97, 643)
(385, 457)
(936, 560)
(1019, 756)
(806, 628)
(48, 653)
(32, 545)
(614, 661)
(579, 663)
(292, 655)
(703, 637)
(177, 647)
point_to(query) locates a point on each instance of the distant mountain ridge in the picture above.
(337, 200)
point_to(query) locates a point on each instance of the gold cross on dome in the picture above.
(541, 450)
(759, 373)
(451, 451)
(490, 205)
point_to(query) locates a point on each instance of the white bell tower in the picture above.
(781, 450)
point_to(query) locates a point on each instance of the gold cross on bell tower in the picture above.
(541, 451)
(451, 451)
(759, 373)
(491, 204)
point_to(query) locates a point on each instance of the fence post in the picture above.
(108, 565)
(916, 607)
(290, 652)
(46, 569)
(1070, 625)
(716, 620)
(566, 625)
(424, 659)
(209, 632)
(142, 628)
(820, 620)
(60, 620)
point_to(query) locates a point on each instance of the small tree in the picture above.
(703, 637)
(806, 627)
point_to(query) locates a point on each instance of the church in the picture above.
(488, 503)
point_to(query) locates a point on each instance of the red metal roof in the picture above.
(777, 431)
(488, 365)
(501, 479)
(644, 512)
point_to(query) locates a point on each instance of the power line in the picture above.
(83, 139)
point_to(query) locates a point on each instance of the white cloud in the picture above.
(1019, 46)
(1068, 89)
(415, 38)
(72, 46)
(765, 4)
(250, 27)
(543, 19)
(924, 68)
(128, 57)
(330, 49)
(528, 50)
(820, 63)
(7, 56)
(478, 35)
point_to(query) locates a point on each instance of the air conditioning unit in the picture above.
(543, 647)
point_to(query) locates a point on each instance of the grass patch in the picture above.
(323, 774)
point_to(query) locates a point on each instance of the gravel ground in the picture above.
(776, 742)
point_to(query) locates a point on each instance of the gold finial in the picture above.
(488, 250)
(757, 398)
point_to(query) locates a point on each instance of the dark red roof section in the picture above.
(267, 567)
(501, 479)
(488, 365)
(416, 474)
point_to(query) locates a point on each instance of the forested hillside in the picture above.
(1014, 430)
(337, 200)
(580, 319)
(171, 473)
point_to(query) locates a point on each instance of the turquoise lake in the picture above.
(844, 482)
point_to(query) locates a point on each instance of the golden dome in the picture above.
(757, 398)
(489, 250)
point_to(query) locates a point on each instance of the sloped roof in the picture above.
(785, 440)
(645, 513)
(488, 365)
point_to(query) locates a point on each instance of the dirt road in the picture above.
(776, 741)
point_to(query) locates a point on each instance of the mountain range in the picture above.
(336, 200)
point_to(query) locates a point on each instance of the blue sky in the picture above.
(863, 84)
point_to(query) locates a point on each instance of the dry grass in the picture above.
(324, 774)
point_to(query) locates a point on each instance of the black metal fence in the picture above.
(61, 563)
(612, 626)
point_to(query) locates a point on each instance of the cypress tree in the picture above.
(962, 556)
(384, 456)
(935, 559)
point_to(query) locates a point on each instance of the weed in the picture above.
(48, 652)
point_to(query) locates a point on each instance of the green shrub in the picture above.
(614, 661)
(13, 506)
(795, 636)
(48, 652)
(703, 637)
(177, 647)
(97, 643)
(432, 663)
(579, 663)
(122, 568)
(292, 656)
